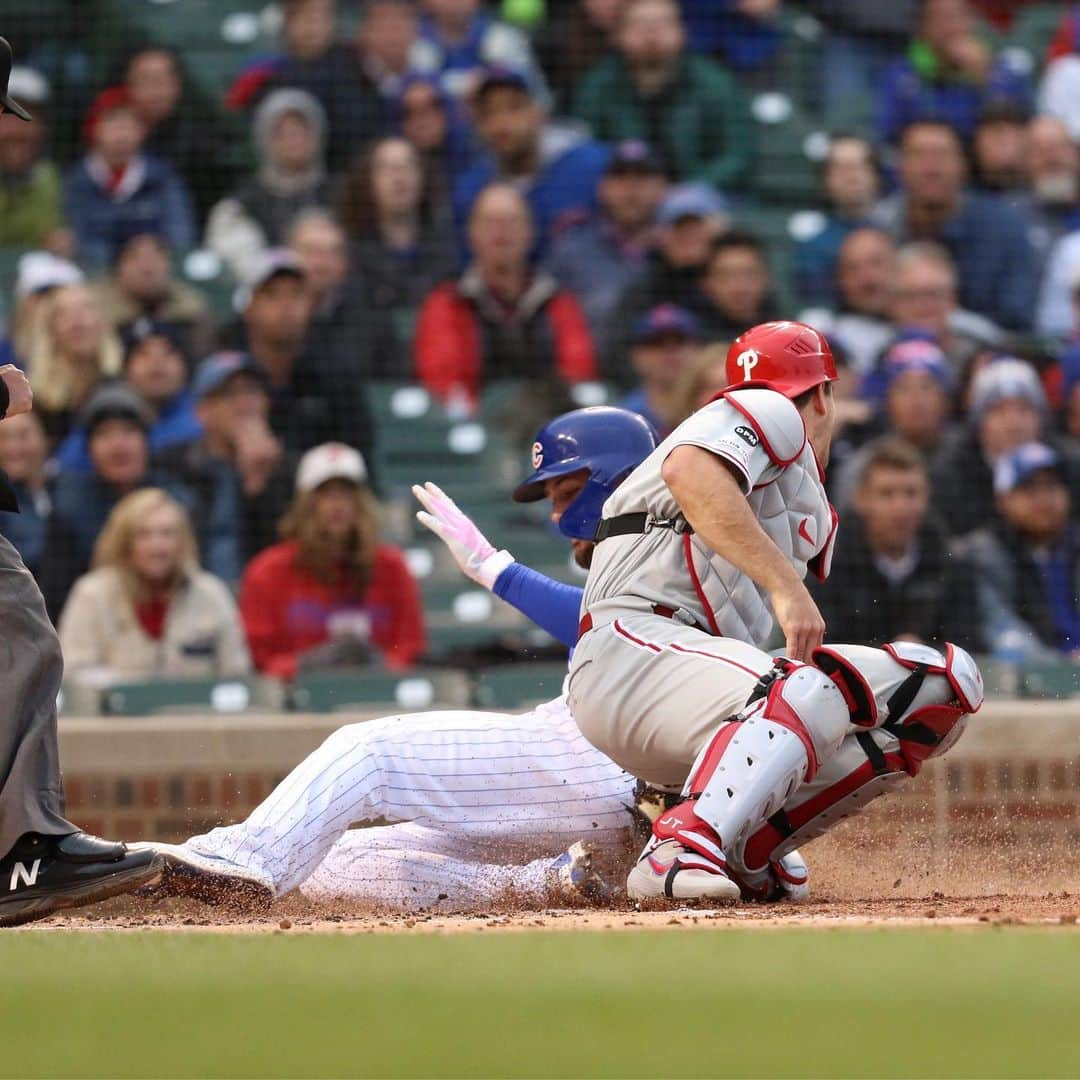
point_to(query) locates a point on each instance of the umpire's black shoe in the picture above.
(43, 874)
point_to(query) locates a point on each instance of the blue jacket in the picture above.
(904, 94)
(26, 529)
(159, 203)
(177, 423)
(996, 267)
(562, 192)
(487, 42)
(814, 262)
(717, 26)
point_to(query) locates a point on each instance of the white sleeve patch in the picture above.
(722, 430)
(775, 420)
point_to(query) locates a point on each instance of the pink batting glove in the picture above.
(471, 549)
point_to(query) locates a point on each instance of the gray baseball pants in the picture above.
(31, 668)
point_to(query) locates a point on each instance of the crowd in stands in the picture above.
(430, 192)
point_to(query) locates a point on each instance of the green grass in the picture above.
(985, 1002)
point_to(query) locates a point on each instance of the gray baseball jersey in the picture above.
(761, 434)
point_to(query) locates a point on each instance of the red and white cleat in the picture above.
(673, 872)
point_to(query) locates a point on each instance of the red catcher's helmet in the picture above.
(787, 356)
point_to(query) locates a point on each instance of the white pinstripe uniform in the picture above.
(474, 805)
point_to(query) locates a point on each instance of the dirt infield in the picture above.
(858, 878)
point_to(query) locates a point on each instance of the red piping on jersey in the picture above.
(777, 459)
(676, 647)
(688, 551)
(622, 632)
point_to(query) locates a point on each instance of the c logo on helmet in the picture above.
(537, 455)
(747, 360)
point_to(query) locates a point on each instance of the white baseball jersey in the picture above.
(489, 800)
(761, 434)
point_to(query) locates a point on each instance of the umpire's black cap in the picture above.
(9, 103)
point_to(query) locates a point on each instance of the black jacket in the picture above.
(8, 501)
(323, 401)
(255, 525)
(936, 602)
(661, 283)
(1009, 573)
(962, 482)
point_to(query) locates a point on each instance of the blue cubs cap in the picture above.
(216, 370)
(667, 320)
(913, 351)
(690, 201)
(607, 442)
(1015, 469)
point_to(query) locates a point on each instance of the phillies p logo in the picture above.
(747, 360)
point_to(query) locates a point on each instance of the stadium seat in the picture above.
(516, 686)
(191, 695)
(783, 172)
(412, 692)
(1050, 680)
(1032, 30)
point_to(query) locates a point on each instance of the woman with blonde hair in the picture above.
(146, 609)
(331, 595)
(72, 348)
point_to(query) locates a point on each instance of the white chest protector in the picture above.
(761, 435)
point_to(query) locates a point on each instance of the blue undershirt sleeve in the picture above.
(552, 605)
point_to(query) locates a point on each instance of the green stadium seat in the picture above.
(516, 686)
(1032, 29)
(393, 401)
(798, 63)
(412, 692)
(201, 24)
(1050, 680)
(78, 700)
(783, 171)
(191, 695)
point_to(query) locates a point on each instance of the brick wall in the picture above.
(1015, 773)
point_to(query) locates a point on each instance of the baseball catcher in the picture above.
(699, 551)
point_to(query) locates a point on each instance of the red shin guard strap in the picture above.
(765, 841)
(680, 823)
(780, 712)
(703, 773)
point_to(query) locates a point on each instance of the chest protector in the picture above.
(794, 511)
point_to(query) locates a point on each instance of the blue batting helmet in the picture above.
(609, 442)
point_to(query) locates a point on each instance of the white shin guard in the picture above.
(843, 788)
(753, 766)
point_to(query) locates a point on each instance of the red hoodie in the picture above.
(286, 610)
(461, 323)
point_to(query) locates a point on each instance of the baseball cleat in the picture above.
(574, 873)
(793, 877)
(209, 880)
(784, 879)
(670, 871)
(45, 874)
